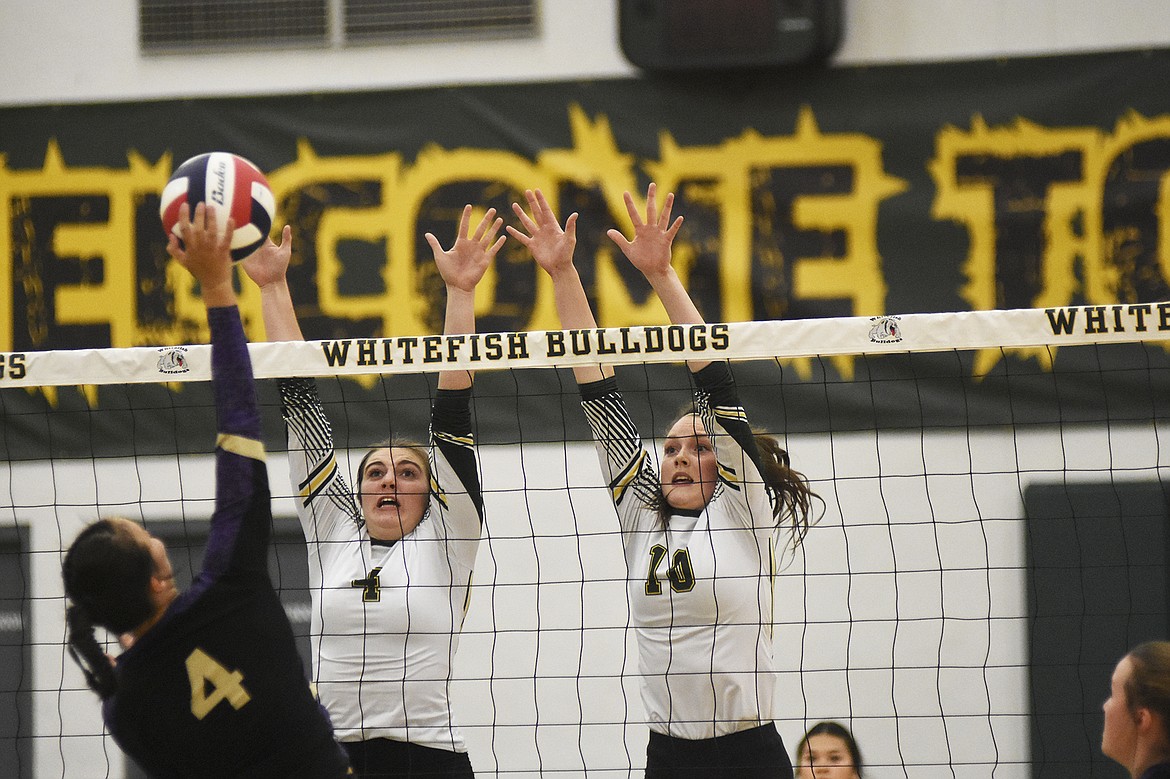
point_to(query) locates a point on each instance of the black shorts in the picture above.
(382, 758)
(757, 753)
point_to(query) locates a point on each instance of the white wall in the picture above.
(905, 611)
(65, 51)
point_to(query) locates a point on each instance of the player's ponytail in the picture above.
(107, 577)
(794, 495)
(88, 653)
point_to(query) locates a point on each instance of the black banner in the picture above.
(861, 191)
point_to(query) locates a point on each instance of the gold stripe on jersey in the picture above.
(729, 476)
(731, 412)
(622, 482)
(437, 492)
(316, 481)
(238, 444)
(459, 440)
(328, 465)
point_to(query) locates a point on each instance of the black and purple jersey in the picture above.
(216, 687)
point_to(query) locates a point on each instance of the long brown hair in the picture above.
(794, 495)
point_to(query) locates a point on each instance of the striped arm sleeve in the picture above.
(718, 405)
(624, 459)
(312, 458)
(451, 434)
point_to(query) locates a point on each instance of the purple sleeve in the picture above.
(242, 522)
(231, 371)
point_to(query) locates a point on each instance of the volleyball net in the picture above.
(993, 540)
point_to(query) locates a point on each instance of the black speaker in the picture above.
(708, 35)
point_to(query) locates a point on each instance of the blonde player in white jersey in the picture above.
(390, 573)
(698, 534)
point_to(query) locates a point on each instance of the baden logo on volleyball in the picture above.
(234, 186)
(173, 360)
(885, 330)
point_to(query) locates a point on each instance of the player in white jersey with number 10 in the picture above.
(698, 534)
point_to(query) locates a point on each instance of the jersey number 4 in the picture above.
(680, 573)
(371, 586)
(211, 683)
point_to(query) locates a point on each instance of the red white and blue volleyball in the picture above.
(234, 186)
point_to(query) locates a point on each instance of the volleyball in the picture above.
(232, 184)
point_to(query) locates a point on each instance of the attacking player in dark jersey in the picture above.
(209, 682)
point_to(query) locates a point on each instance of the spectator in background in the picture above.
(828, 751)
(1137, 712)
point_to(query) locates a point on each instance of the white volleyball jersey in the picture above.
(386, 618)
(700, 586)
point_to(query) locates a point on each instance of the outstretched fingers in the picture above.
(618, 237)
(667, 205)
(651, 204)
(541, 206)
(538, 218)
(488, 229)
(464, 264)
(484, 235)
(571, 226)
(464, 222)
(664, 217)
(527, 222)
(632, 210)
(487, 232)
(495, 246)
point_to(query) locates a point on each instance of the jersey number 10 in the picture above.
(680, 573)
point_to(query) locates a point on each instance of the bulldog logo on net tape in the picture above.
(173, 359)
(885, 330)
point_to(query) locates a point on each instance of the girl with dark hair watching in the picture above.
(1137, 712)
(209, 682)
(698, 531)
(828, 751)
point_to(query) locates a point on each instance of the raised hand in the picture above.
(649, 252)
(269, 263)
(205, 253)
(551, 246)
(463, 265)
